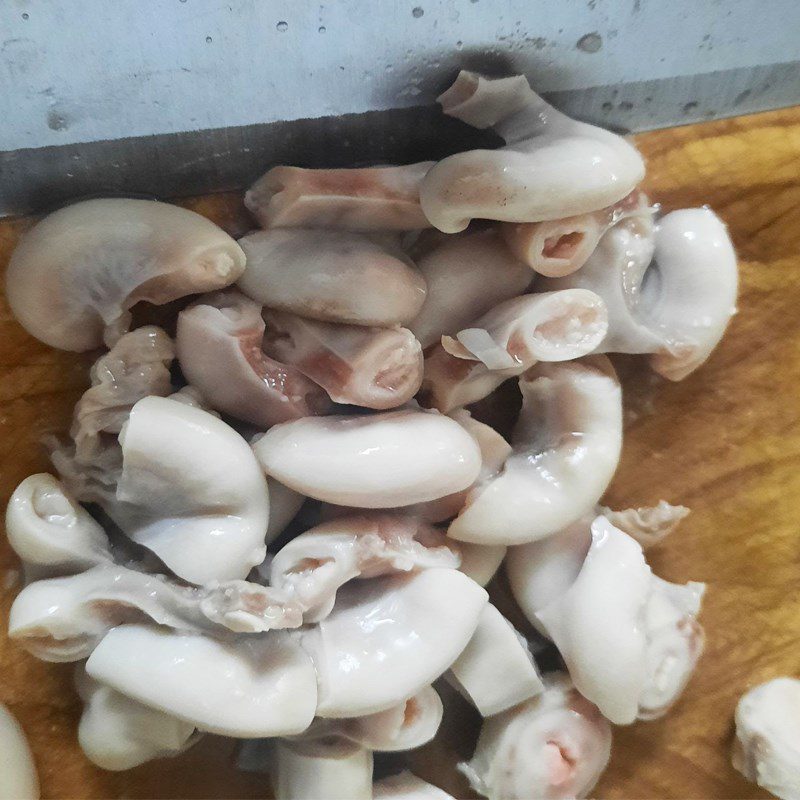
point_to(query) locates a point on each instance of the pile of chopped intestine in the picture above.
(277, 524)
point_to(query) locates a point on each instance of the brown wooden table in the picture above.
(725, 442)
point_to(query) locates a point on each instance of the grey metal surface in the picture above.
(172, 97)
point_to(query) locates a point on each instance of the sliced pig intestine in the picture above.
(562, 246)
(554, 326)
(550, 168)
(767, 733)
(51, 532)
(387, 638)
(554, 746)
(314, 565)
(565, 449)
(118, 733)
(251, 686)
(18, 778)
(396, 458)
(191, 491)
(378, 368)
(365, 199)
(137, 366)
(63, 619)
(629, 639)
(74, 277)
(496, 670)
(509, 339)
(670, 288)
(219, 342)
(333, 768)
(467, 275)
(333, 276)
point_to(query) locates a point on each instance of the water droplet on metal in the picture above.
(209, 40)
(417, 12)
(26, 16)
(590, 43)
(282, 26)
(459, 44)
(322, 29)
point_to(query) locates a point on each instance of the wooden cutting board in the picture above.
(725, 442)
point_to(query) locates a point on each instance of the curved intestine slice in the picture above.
(378, 368)
(554, 747)
(405, 786)
(509, 339)
(118, 733)
(219, 343)
(555, 326)
(334, 276)
(649, 525)
(314, 565)
(692, 297)
(767, 733)
(18, 778)
(550, 168)
(467, 275)
(63, 619)
(670, 289)
(566, 446)
(496, 669)
(51, 532)
(251, 687)
(137, 366)
(335, 769)
(388, 638)
(191, 491)
(630, 640)
(561, 246)
(367, 199)
(396, 458)
(75, 275)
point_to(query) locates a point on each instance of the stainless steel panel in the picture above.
(180, 96)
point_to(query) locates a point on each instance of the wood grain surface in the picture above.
(725, 442)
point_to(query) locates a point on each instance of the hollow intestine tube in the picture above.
(550, 168)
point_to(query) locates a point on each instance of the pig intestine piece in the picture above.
(467, 275)
(334, 768)
(18, 778)
(63, 619)
(377, 368)
(509, 339)
(552, 747)
(561, 246)
(118, 733)
(551, 167)
(219, 342)
(566, 446)
(334, 276)
(629, 639)
(373, 198)
(766, 749)
(311, 568)
(676, 307)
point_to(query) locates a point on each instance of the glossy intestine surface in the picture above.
(333, 406)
